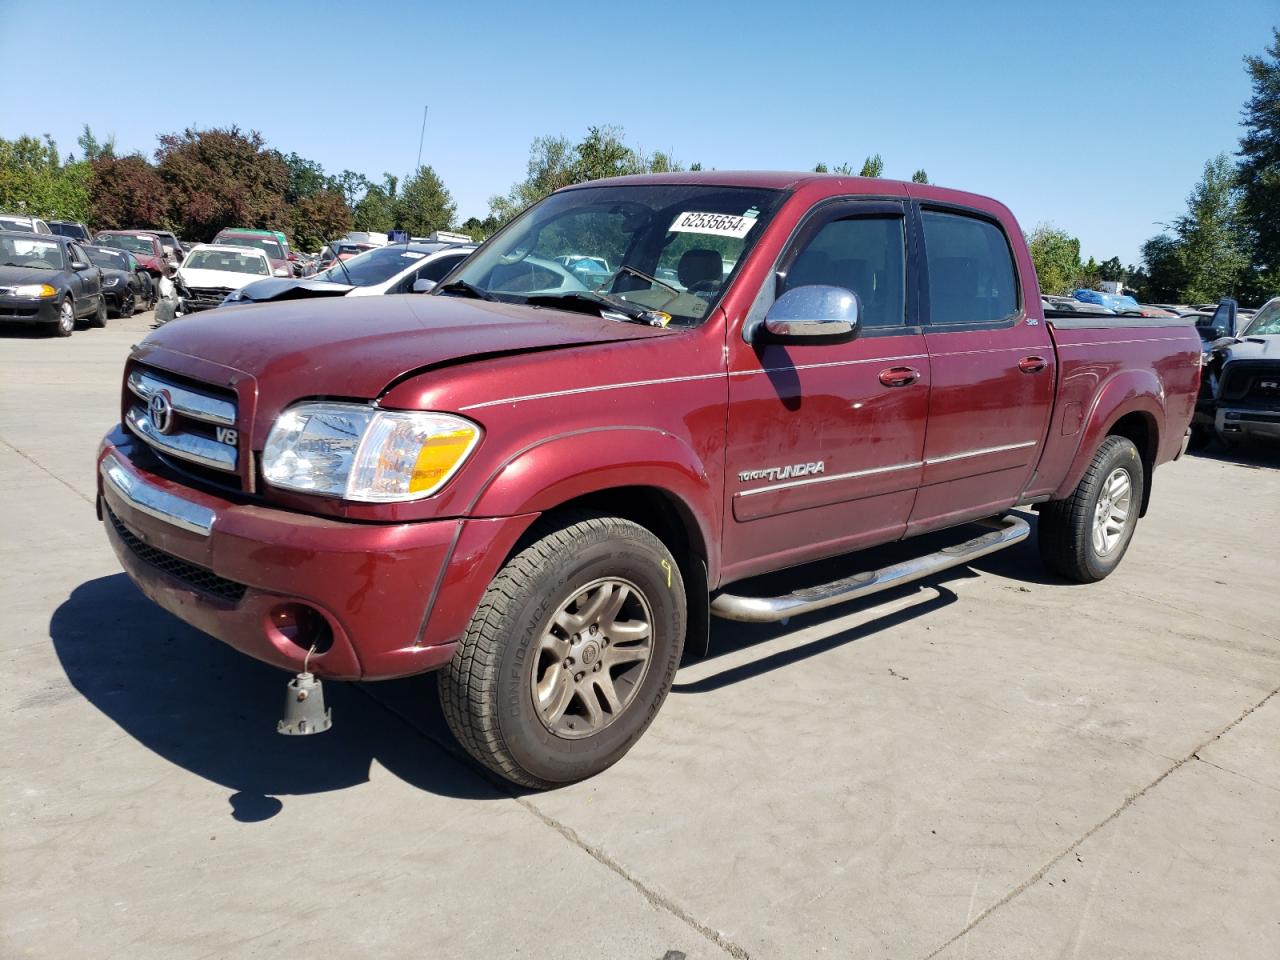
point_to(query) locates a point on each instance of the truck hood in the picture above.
(1252, 348)
(356, 347)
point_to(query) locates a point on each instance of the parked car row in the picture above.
(1239, 395)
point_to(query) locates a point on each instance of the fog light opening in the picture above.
(303, 626)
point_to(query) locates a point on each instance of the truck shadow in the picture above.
(1020, 563)
(212, 710)
(1256, 456)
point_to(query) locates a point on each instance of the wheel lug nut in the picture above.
(596, 668)
(568, 661)
(578, 676)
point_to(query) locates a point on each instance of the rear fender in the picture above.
(561, 468)
(1129, 391)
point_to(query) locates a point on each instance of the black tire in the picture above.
(99, 318)
(64, 327)
(487, 690)
(128, 304)
(1066, 529)
(1201, 436)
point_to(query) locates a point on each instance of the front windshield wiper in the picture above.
(593, 301)
(470, 289)
(627, 268)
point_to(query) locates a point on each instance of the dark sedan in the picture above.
(48, 280)
(124, 281)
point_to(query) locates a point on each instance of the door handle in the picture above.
(1032, 364)
(899, 376)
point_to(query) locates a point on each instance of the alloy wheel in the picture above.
(1111, 515)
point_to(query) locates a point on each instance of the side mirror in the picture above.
(422, 285)
(814, 314)
(79, 265)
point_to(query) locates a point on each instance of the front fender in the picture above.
(1128, 391)
(563, 467)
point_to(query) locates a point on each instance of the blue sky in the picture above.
(1096, 116)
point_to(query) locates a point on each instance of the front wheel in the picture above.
(1084, 537)
(66, 324)
(570, 654)
(100, 315)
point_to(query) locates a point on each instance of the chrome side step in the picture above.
(1008, 530)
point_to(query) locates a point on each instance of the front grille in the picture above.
(196, 577)
(1252, 383)
(196, 422)
(202, 298)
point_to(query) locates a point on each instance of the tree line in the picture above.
(199, 181)
(1226, 242)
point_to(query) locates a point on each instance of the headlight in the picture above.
(359, 452)
(34, 290)
(280, 272)
(110, 281)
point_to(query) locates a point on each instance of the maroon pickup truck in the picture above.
(543, 481)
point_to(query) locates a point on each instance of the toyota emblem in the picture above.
(160, 409)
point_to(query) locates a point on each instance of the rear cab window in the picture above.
(972, 278)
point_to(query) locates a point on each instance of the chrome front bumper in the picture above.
(154, 502)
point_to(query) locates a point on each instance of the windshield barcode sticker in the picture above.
(713, 224)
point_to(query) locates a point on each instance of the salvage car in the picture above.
(404, 268)
(144, 245)
(1240, 390)
(21, 223)
(49, 281)
(212, 272)
(72, 229)
(264, 240)
(544, 489)
(125, 283)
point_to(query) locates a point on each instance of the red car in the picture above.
(144, 245)
(544, 487)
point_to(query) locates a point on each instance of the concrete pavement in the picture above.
(996, 764)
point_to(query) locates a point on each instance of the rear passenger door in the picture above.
(825, 440)
(992, 370)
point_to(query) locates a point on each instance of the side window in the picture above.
(76, 253)
(971, 274)
(435, 270)
(864, 254)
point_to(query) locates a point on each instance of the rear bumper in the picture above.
(385, 600)
(28, 310)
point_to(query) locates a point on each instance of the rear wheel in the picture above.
(1084, 537)
(570, 654)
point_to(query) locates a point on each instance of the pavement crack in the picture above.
(1237, 773)
(1128, 801)
(652, 896)
(41, 467)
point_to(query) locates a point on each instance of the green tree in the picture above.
(1164, 274)
(478, 229)
(424, 204)
(375, 212)
(873, 166)
(1212, 244)
(306, 177)
(556, 162)
(91, 148)
(1112, 270)
(34, 180)
(820, 168)
(920, 176)
(1056, 255)
(1259, 172)
(319, 217)
(353, 185)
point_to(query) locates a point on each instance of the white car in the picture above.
(395, 268)
(21, 223)
(213, 271)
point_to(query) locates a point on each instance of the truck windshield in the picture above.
(1267, 322)
(669, 247)
(124, 241)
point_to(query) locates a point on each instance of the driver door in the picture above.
(826, 441)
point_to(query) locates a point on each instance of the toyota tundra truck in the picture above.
(543, 485)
